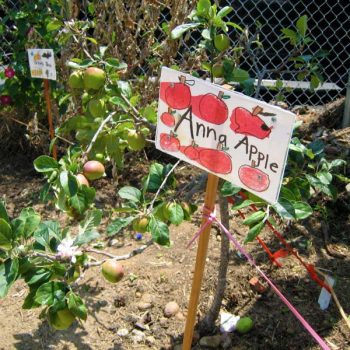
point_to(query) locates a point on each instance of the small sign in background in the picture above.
(42, 63)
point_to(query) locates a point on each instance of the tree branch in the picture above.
(208, 323)
(137, 116)
(162, 185)
(134, 252)
(105, 121)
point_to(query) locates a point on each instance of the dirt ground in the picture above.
(160, 275)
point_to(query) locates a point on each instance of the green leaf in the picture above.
(302, 210)
(229, 189)
(48, 292)
(302, 25)
(287, 193)
(225, 11)
(131, 193)
(5, 235)
(77, 306)
(159, 231)
(315, 82)
(336, 163)
(46, 232)
(284, 208)
(242, 204)
(92, 220)
(176, 214)
(86, 237)
(26, 223)
(8, 275)
(240, 75)
(40, 276)
(54, 25)
(29, 302)
(69, 183)
(325, 177)
(290, 34)
(235, 25)
(87, 228)
(3, 212)
(203, 7)
(150, 114)
(44, 164)
(177, 32)
(93, 40)
(206, 34)
(79, 203)
(113, 62)
(254, 232)
(116, 225)
(254, 218)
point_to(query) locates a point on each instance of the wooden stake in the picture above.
(49, 115)
(210, 198)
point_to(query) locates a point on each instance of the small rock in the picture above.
(226, 341)
(147, 298)
(163, 322)
(171, 309)
(122, 332)
(137, 336)
(116, 243)
(141, 326)
(211, 341)
(138, 295)
(142, 306)
(150, 339)
(177, 347)
(180, 316)
(256, 285)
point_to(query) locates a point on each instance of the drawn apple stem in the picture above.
(257, 110)
(182, 79)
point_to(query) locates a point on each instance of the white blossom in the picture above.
(66, 249)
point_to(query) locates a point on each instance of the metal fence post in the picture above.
(346, 115)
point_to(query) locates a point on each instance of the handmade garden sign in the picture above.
(42, 65)
(233, 136)
(227, 134)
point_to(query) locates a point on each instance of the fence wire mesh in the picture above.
(328, 24)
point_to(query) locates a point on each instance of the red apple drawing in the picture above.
(254, 178)
(169, 142)
(210, 108)
(215, 160)
(176, 95)
(191, 152)
(168, 119)
(249, 123)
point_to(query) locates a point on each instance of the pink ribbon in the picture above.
(210, 218)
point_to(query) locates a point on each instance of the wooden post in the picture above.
(49, 115)
(210, 198)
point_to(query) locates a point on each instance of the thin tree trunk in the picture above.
(208, 323)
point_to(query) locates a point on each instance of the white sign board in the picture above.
(2, 69)
(236, 137)
(42, 63)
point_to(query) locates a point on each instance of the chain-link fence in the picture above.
(328, 24)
